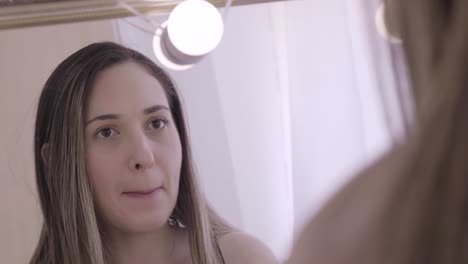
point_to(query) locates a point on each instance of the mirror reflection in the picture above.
(246, 145)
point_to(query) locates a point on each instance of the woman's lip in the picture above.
(142, 192)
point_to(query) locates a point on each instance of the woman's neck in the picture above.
(159, 246)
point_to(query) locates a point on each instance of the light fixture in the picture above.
(386, 21)
(194, 29)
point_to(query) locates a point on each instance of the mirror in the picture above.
(281, 114)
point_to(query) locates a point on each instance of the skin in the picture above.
(348, 229)
(241, 248)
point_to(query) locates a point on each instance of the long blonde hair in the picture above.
(70, 231)
(427, 218)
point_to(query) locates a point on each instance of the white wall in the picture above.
(251, 94)
(27, 58)
(330, 124)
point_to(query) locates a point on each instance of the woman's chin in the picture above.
(147, 223)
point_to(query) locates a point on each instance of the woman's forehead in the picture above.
(125, 89)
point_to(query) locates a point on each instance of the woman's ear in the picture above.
(45, 153)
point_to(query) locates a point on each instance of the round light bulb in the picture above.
(382, 26)
(194, 28)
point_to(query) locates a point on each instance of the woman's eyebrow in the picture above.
(155, 108)
(146, 111)
(102, 117)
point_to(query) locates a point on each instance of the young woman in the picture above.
(114, 169)
(411, 207)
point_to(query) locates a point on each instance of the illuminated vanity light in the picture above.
(194, 29)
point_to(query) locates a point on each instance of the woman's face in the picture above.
(133, 150)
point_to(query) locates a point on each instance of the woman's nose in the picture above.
(141, 156)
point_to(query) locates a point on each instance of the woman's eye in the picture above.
(158, 123)
(106, 132)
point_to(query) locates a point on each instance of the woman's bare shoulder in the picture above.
(348, 227)
(241, 248)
